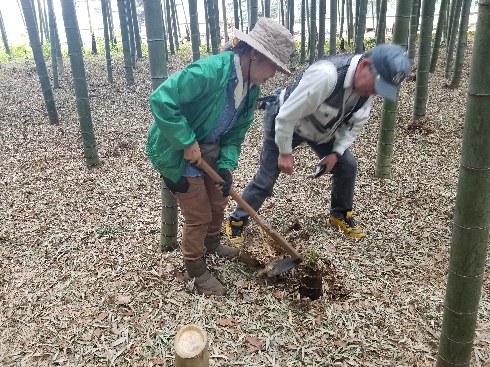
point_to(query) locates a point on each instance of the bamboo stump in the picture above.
(191, 347)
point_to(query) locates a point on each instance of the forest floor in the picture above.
(83, 281)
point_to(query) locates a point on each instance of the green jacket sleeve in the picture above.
(166, 102)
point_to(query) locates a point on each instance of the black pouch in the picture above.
(180, 186)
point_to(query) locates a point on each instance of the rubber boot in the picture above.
(204, 281)
(213, 246)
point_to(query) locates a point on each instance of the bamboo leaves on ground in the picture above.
(42, 71)
(80, 82)
(389, 110)
(472, 211)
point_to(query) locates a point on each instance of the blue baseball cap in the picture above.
(390, 65)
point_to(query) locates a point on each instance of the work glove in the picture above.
(193, 154)
(228, 180)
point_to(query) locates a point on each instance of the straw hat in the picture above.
(270, 39)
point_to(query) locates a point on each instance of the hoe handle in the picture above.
(279, 240)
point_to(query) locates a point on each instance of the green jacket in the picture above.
(186, 108)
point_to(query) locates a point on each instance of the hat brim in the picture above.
(257, 46)
(385, 89)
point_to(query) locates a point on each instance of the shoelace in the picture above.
(351, 222)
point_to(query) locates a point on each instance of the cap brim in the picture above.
(257, 46)
(385, 89)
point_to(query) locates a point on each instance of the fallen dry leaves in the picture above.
(83, 282)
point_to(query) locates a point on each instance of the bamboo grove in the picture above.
(207, 25)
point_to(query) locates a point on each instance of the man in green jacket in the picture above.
(204, 112)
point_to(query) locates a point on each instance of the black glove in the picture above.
(228, 180)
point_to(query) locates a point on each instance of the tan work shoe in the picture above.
(213, 246)
(347, 224)
(204, 281)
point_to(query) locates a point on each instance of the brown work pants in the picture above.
(202, 207)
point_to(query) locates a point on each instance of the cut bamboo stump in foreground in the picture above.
(191, 347)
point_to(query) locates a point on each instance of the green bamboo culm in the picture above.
(414, 23)
(175, 24)
(389, 109)
(267, 8)
(42, 71)
(291, 16)
(361, 26)
(322, 9)
(137, 36)
(41, 21)
(462, 39)
(128, 67)
(132, 40)
(350, 22)
(52, 34)
(253, 13)
(453, 31)
(157, 50)
(170, 26)
(195, 37)
(236, 18)
(107, 39)
(80, 83)
(302, 53)
(59, 55)
(381, 31)
(111, 22)
(471, 226)
(212, 26)
(4, 37)
(424, 55)
(332, 50)
(312, 35)
(441, 21)
(342, 7)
